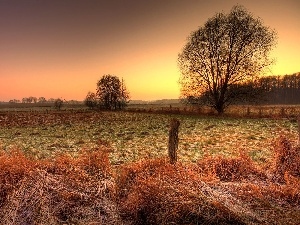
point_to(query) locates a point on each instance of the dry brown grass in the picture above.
(215, 191)
(63, 190)
(286, 159)
(231, 169)
(86, 190)
(155, 192)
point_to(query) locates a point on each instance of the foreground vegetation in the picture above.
(86, 190)
(110, 168)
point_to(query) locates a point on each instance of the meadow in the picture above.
(89, 167)
(136, 136)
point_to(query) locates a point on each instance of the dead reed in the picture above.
(63, 190)
(86, 190)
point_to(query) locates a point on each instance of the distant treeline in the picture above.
(32, 99)
(268, 90)
(281, 89)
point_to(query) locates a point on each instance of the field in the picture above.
(135, 136)
(230, 170)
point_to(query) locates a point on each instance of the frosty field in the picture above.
(87, 167)
(135, 136)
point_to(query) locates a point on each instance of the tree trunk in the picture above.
(173, 140)
(220, 107)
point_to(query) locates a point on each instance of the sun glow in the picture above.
(43, 55)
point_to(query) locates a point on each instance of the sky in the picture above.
(61, 48)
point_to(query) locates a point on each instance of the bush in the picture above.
(91, 100)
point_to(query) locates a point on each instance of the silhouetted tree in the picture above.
(30, 99)
(124, 95)
(25, 100)
(112, 93)
(51, 100)
(229, 49)
(14, 101)
(282, 89)
(42, 100)
(33, 99)
(58, 103)
(91, 100)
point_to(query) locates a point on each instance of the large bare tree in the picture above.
(229, 50)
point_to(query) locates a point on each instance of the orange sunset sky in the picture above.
(61, 48)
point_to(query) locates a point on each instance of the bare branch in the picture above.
(229, 49)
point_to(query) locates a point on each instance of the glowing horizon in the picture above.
(56, 49)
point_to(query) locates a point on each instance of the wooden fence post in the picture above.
(282, 112)
(173, 140)
(248, 111)
(298, 122)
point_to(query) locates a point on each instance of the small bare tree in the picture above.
(58, 103)
(91, 100)
(111, 92)
(42, 100)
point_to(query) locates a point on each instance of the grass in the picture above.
(110, 168)
(135, 136)
(85, 190)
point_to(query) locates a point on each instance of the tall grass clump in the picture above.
(62, 190)
(286, 172)
(157, 192)
(86, 189)
(231, 169)
(14, 166)
(286, 160)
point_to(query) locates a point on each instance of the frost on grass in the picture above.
(63, 190)
(135, 136)
(86, 189)
(156, 192)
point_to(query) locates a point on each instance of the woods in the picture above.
(281, 89)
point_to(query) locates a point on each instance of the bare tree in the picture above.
(42, 100)
(229, 49)
(58, 103)
(33, 99)
(51, 100)
(24, 100)
(14, 101)
(111, 92)
(90, 100)
(124, 95)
